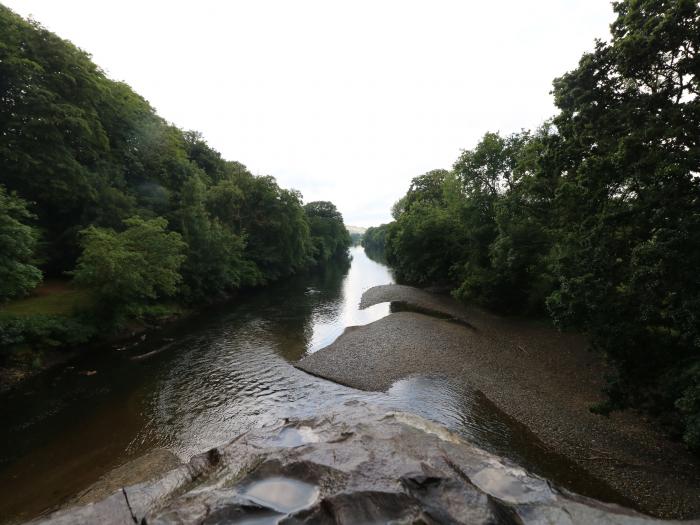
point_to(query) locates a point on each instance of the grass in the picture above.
(52, 297)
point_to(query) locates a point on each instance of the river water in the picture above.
(208, 378)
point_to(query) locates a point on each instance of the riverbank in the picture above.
(354, 463)
(189, 386)
(27, 360)
(62, 304)
(544, 379)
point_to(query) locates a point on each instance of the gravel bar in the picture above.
(541, 377)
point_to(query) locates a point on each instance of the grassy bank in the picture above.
(52, 297)
(47, 327)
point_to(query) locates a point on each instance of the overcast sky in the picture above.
(344, 101)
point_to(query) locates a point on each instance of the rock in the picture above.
(147, 355)
(354, 464)
(140, 469)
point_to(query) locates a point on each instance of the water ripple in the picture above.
(222, 373)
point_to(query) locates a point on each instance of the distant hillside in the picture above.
(356, 229)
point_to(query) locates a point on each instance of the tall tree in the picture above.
(129, 268)
(18, 240)
(276, 227)
(214, 262)
(628, 204)
(329, 237)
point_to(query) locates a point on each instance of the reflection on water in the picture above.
(222, 373)
(329, 321)
(284, 495)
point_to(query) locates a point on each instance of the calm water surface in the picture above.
(216, 375)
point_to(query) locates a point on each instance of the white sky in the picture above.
(344, 101)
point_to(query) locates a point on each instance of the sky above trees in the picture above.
(345, 102)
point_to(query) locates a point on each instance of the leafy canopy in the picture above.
(329, 237)
(131, 267)
(18, 239)
(594, 218)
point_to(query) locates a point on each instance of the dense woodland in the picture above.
(374, 242)
(593, 219)
(96, 187)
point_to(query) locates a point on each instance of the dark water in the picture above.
(218, 374)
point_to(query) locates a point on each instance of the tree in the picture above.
(484, 174)
(329, 237)
(52, 138)
(374, 241)
(628, 202)
(206, 158)
(225, 202)
(214, 262)
(427, 189)
(276, 227)
(521, 252)
(447, 223)
(18, 240)
(127, 269)
(427, 239)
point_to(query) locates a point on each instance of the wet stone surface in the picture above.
(283, 495)
(356, 463)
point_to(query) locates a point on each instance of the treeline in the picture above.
(356, 238)
(95, 185)
(594, 218)
(374, 241)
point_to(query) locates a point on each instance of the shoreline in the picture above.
(542, 378)
(13, 375)
(133, 334)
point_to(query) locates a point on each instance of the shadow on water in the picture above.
(376, 255)
(221, 373)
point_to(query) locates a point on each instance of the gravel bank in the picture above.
(543, 378)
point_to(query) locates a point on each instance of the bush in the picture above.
(129, 268)
(44, 331)
(17, 244)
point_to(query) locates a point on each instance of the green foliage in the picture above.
(160, 311)
(520, 253)
(43, 331)
(278, 240)
(629, 247)
(374, 241)
(594, 218)
(425, 225)
(18, 240)
(57, 112)
(89, 153)
(413, 241)
(447, 225)
(355, 238)
(129, 268)
(214, 260)
(688, 404)
(142, 214)
(329, 237)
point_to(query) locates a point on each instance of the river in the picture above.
(215, 375)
